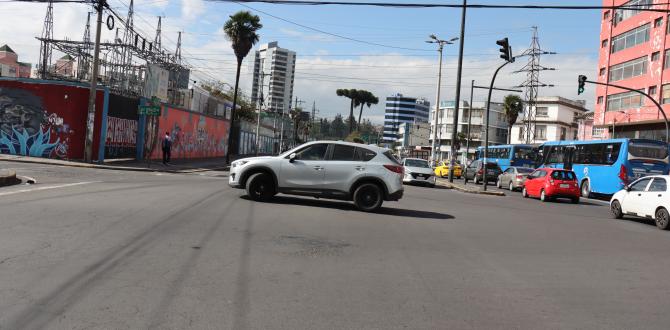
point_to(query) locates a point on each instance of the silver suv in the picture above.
(366, 174)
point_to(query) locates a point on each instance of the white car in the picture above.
(366, 174)
(647, 197)
(418, 170)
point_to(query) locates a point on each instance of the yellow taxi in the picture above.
(442, 170)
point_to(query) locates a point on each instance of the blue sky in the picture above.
(322, 66)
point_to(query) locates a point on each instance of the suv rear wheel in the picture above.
(260, 187)
(368, 197)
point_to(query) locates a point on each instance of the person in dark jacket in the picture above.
(167, 147)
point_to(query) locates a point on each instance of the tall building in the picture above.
(556, 119)
(10, 65)
(402, 109)
(635, 53)
(498, 127)
(277, 65)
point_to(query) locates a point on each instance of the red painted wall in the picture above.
(194, 135)
(59, 110)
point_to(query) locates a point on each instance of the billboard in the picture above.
(156, 83)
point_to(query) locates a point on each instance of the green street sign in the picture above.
(149, 110)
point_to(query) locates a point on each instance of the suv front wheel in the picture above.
(260, 187)
(368, 197)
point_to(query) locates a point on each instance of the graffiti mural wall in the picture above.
(194, 135)
(45, 119)
(121, 137)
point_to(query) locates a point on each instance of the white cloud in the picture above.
(192, 9)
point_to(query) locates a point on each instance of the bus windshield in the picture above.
(647, 150)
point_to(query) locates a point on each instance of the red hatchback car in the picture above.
(550, 183)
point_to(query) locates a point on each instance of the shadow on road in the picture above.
(347, 206)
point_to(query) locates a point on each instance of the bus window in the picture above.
(647, 150)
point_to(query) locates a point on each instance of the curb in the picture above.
(8, 178)
(107, 167)
(448, 185)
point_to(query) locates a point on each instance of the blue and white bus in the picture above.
(606, 166)
(509, 155)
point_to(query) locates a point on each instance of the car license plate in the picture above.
(491, 172)
(565, 185)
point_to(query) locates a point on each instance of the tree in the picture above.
(512, 106)
(365, 98)
(337, 127)
(353, 96)
(241, 30)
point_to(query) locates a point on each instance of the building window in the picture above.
(624, 14)
(665, 93)
(603, 44)
(600, 100)
(627, 100)
(666, 59)
(652, 90)
(564, 132)
(655, 56)
(630, 38)
(541, 132)
(602, 71)
(522, 136)
(575, 117)
(606, 15)
(625, 70)
(597, 131)
(658, 22)
(542, 112)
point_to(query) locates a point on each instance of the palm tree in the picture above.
(354, 96)
(241, 30)
(513, 106)
(365, 98)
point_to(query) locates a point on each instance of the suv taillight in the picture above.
(623, 174)
(395, 168)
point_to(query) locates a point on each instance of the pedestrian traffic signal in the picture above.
(581, 81)
(505, 50)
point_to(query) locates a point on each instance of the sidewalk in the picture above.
(471, 188)
(176, 166)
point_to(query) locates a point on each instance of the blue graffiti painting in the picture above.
(26, 128)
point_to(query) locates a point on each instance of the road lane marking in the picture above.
(47, 188)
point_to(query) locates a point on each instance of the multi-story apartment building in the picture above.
(498, 127)
(403, 109)
(275, 66)
(11, 65)
(556, 119)
(635, 53)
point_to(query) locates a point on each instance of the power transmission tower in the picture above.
(157, 40)
(86, 50)
(532, 84)
(177, 51)
(45, 46)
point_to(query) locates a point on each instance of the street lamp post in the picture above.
(440, 43)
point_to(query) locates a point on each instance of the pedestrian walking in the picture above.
(167, 148)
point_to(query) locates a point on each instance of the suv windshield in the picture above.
(416, 163)
(491, 166)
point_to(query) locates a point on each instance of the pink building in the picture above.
(65, 66)
(9, 59)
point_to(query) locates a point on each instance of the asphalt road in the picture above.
(102, 249)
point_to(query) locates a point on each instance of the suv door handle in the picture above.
(360, 168)
(659, 195)
(639, 194)
(318, 168)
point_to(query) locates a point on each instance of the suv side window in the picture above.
(342, 153)
(640, 185)
(313, 152)
(364, 155)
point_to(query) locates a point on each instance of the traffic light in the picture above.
(582, 81)
(505, 50)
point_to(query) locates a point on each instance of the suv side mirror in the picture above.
(291, 157)
(626, 187)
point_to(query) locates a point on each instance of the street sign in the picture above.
(149, 110)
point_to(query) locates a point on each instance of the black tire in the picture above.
(615, 208)
(662, 219)
(543, 196)
(524, 193)
(260, 187)
(511, 186)
(368, 197)
(575, 200)
(586, 189)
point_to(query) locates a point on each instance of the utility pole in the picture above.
(260, 108)
(454, 133)
(313, 115)
(90, 121)
(440, 47)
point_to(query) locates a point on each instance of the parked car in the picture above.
(442, 170)
(647, 197)
(417, 170)
(475, 172)
(513, 177)
(366, 174)
(551, 183)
